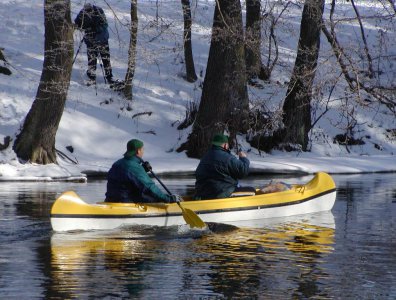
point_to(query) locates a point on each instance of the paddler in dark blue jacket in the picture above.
(128, 181)
(218, 172)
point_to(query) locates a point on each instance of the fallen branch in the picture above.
(7, 141)
(64, 156)
(142, 113)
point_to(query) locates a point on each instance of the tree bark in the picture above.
(297, 105)
(253, 39)
(131, 52)
(224, 100)
(191, 76)
(36, 141)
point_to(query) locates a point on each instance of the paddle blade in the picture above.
(192, 218)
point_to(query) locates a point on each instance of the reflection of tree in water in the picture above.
(97, 268)
(308, 260)
(30, 213)
(249, 263)
(50, 289)
(131, 263)
(228, 276)
(34, 204)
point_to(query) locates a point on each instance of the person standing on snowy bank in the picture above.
(92, 20)
(128, 181)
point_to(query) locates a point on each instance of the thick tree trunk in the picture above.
(253, 39)
(36, 141)
(132, 51)
(191, 76)
(224, 100)
(297, 105)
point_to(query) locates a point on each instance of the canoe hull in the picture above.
(322, 203)
(70, 213)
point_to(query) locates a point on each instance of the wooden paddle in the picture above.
(189, 216)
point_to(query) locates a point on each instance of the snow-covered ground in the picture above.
(97, 123)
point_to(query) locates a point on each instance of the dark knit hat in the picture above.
(219, 139)
(132, 146)
(87, 6)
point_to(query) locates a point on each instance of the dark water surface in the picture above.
(349, 253)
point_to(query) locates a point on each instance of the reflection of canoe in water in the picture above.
(296, 237)
(128, 262)
(70, 212)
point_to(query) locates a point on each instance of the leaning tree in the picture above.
(297, 104)
(36, 141)
(224, 100)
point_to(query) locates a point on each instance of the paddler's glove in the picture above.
(176, 198)
(147, 167)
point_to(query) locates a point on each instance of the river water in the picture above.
(348, 253)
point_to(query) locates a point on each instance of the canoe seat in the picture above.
(244, 191)
(274, 187)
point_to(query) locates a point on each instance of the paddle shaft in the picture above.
(189, 216)
(163, 185)
(156, 177)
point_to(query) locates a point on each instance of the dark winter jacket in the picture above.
(218, 172)
(94, 24)
(127, 181)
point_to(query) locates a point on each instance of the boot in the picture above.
(110, 79)
(91, 74)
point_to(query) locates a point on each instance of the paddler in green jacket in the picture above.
(128, 181)
(218, 172)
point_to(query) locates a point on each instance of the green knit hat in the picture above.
(132, 146)
(219, 139)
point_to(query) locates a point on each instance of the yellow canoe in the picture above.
(69, 212)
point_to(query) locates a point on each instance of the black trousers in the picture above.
(94, 50)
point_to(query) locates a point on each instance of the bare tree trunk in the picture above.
(224, 101)
(36, 141)
(363, 34)
(297, 105)
(132, 51)
(269, 66)
(254, 64)
(191, 76)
